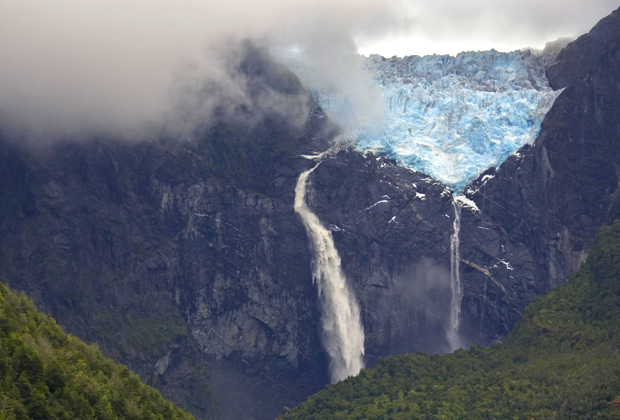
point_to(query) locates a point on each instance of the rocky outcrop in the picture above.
(171, 271)
(573, 61)
(392, 228)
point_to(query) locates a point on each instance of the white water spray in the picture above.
(343, 335)
(455, 281)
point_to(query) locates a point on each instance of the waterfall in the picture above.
(455, 280)
(343, 335)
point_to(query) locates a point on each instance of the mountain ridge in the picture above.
(197, 251)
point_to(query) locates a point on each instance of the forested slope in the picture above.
(561, 361)
(48, 374)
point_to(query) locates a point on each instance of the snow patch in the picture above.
(486, 178)
(376, 204)
(507, 264)
(466, 202)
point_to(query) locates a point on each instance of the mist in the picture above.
(73, 69)
(123, 68)
(416, 307)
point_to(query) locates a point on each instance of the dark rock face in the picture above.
(187, 262)
(392, 228)
(172, 272)
(182, 259)
(582, 53)
(545, 204)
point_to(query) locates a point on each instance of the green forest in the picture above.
(48, 374)
(561, 361)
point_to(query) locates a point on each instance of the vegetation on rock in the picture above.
(48, 374)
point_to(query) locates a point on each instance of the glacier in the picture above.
(451, 117)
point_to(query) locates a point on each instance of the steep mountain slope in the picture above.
(47, 374)
(182, 259)
(186, 260)
(561, 361)
(544, 205)
(573, 61)
(530, 226)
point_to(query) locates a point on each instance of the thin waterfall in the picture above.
(455, 281)
(343, 335)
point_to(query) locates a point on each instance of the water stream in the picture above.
(343, 334)
(455, 281)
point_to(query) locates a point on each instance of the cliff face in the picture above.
(169, 270)
(183, 259)
(584, 52)
(186, 260)
(546, 203)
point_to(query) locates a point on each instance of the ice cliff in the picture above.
(453, 117)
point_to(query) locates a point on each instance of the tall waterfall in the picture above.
(343, 335)
(455, 280)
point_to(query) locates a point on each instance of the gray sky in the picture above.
(73, 67)
(452, 26)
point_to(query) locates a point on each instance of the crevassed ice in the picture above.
(453, 117)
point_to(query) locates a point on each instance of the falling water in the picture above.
(343, 335)
(455, 281)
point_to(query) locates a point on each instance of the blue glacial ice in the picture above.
(452, 117)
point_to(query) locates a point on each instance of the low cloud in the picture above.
(77, 68)
(74, 68)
